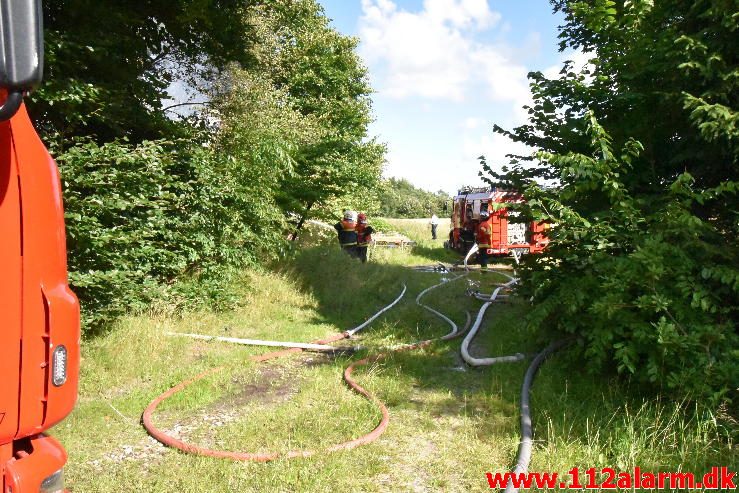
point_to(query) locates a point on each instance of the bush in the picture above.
(650, 288)
(140, 217)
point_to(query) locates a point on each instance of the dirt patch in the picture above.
(273, 385)
(147, 451)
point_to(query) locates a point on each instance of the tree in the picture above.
(640, 154)
(399, 198)
(110, 62)
(321, 71)
(166, 208)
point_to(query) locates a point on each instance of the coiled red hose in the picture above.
(170, 441)
(173, 442)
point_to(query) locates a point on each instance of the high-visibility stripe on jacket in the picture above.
(347, 232)
(485, 233)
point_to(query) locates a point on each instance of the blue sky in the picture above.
(444, 71)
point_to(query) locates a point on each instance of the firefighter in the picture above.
(364, 236)
(346, 229)
(484, 238)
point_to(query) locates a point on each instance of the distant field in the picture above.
(420, 229)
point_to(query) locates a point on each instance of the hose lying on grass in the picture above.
(307, 346)
(470, 253)
(173, 442)
(471, 360)
(527, 433)
(455, 329)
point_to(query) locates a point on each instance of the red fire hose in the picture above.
(173, 442)
(373, 435)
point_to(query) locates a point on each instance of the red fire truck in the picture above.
(39, 315)
(509, 236)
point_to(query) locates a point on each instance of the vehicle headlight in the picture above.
(53, 483)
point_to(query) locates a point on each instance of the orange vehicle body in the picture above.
(508, 236)
(39, 314)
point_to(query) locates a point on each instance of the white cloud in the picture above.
(473, 122)
(461, 13)
(494, 147)
(435, 54)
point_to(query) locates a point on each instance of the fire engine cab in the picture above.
(510, 237)
(39, 314)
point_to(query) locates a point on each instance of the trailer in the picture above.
(510, 237)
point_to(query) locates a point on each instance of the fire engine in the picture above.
(39, 314)
(510, 237)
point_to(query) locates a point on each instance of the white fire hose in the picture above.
(527, 433)
(455, 329)
(471, 360)
(298, 345)
(472, 251)
(356, 329)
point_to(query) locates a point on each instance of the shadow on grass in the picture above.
(566, 401)
(437, 254)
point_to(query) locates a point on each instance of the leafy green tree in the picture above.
(321, 71)
(160, 208)
(639, 151)
(400, 198)
(110, 62)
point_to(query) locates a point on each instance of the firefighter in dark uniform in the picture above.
(484, 238)
(364, 236)
(346, 228)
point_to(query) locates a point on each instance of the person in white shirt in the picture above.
(434, 225)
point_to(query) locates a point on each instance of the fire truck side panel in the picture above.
(50, 309)
(507, 235)
(539, 238)
(500, 232)
(10, 292)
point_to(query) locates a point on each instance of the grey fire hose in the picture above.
(527, 432)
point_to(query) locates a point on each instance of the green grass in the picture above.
(449, 424)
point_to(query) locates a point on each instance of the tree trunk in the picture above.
(294, 236)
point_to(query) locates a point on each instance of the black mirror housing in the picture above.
(21, 44)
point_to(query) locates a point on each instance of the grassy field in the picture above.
(449, 424)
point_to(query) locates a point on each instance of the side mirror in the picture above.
(21, 51)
